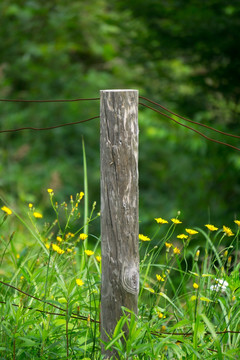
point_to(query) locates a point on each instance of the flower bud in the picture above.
(197, 255)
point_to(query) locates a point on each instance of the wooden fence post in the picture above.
(119, 207)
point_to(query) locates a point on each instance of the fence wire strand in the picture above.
(191, 121)
(84, 318)
(48, 101)
(147, 106)
(43, 301)
(46, 312)
(190, 128)
(49, 127)
(75, 315)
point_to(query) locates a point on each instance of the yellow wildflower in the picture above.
(168, 245)
(22, 277)
(18, 256)
(69, 250)
(81, 195)
(89, 252)
(98, 258)
(160, 315)
(79, 282)
(30, 205)
(83, 236)
(163, 328)
(176, 250)
(161, 221)
(159, 277)
(211, 227)
(191, 231)
(143, 237)
(227, 231)
(193, 297)
(50, 191)
(182, 236)
(176, 221)
(47, 246)
(6, 210)
(37, 215)
(57, 249)
(59, 239)
(195, 285)
(69, 234)
(237, 222)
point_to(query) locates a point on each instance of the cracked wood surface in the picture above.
(119, 205)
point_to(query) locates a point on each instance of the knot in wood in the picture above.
(130, 279)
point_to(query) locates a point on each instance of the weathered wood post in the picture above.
(119, 207)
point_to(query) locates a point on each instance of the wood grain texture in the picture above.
(119, 206)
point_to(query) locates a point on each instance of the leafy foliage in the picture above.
(50, 290)
(182, 54)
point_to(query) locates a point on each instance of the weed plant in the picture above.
(50, 289)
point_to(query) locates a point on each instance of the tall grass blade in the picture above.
(85, 229)
(214, 335)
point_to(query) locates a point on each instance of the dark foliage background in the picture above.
(183, 54)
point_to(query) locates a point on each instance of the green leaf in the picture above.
(181, 323)
(62, 322)
(201, 330)
(28, 342)
(119, 326)
(214, 335)
(114, 340)
(203, 298)
(170, 301)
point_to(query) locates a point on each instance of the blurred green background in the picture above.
(183, 54)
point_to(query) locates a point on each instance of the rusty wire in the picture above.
(186, 119)
(49, 127)
(190, 128)
(48, 101)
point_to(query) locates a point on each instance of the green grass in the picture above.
(50, 290)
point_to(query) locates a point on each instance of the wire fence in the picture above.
(64, 311)
(89, 319)
(48, 101)
(49, 127)
(140, 103)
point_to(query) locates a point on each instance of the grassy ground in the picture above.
(50, 289)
